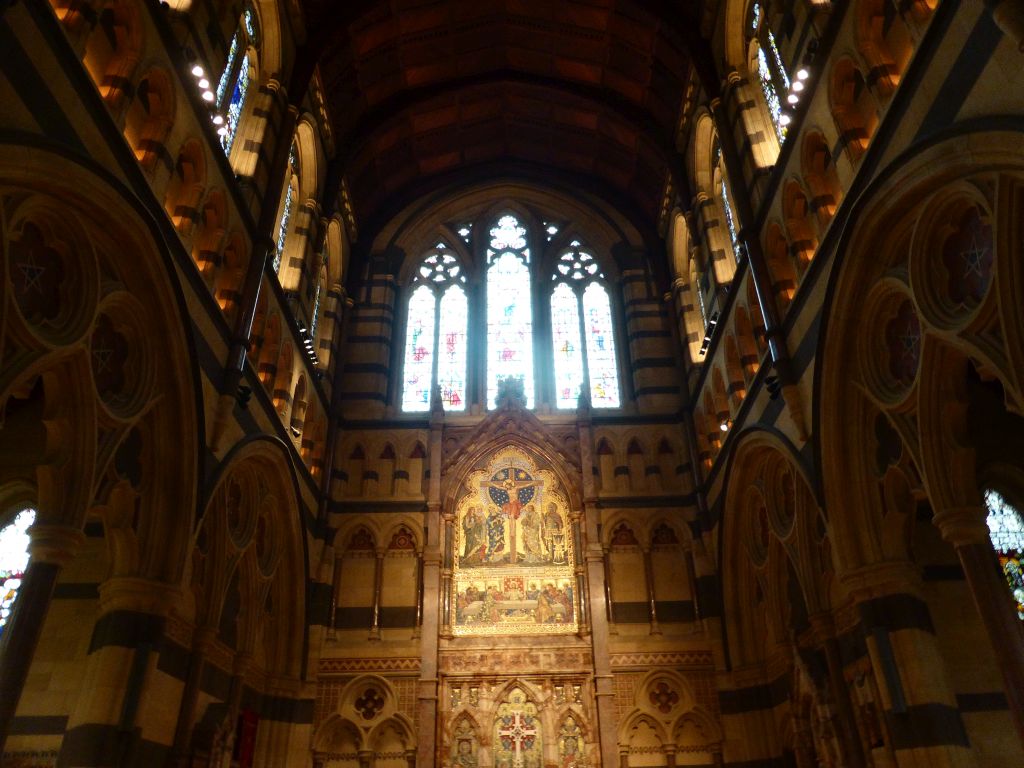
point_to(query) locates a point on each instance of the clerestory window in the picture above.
(769, 68)
(14, 541)
(235, 80)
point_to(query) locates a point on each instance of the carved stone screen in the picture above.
(514, 560)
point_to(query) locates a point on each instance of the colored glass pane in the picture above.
(315, 321)
(764, 74)
(229, 68)
(236, 105)
(597, 322)
(452, 354)
(730, 221)
(509, 235)
(286, 215)
(778, 59)
(565, 336)
(419, 351)
(1006, 531)
(14, 541)
(509, 319)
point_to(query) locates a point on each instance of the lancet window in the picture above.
(233, 86)
(14, 541)
(581, 332)
(291, 191)
(436, 351)
(723, 194)
(770, 69)
(509, 309)
(1006, 532)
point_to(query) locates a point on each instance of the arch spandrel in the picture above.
(513, 551)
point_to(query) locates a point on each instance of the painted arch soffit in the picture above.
(513, 552)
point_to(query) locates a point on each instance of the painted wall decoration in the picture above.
(513, 558)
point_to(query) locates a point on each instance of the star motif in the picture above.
(32, 272)
(973, 257)
(102, 358)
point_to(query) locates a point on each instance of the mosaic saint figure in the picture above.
(554, 534)
(533, 551)
(570, 744)
(474, 536)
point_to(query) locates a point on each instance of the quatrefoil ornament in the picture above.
(370, 703)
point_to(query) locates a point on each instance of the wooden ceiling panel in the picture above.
(421, 88)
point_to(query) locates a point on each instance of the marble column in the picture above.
(378, 586)
(51, 547)
(427, 693)
(652, 604)
(332, 632)
(848, 735)
(967, 531)
(202, 639)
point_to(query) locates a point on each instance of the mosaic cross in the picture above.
(519, 732)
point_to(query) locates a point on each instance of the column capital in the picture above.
(56, 544)
(961, 526)
(882, 579)
(133, 593)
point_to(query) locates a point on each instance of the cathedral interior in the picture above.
(512, 383)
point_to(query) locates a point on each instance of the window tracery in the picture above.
(14, 541)
(579, 296)
(442, 305)
(1006, 532)
(436, 345)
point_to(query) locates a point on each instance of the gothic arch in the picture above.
(89, 226)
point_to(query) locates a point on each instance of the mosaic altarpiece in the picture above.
(514, 564)
(514, 604)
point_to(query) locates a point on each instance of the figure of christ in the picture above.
(507, 490)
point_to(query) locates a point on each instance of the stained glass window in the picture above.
(1006, 531)
(578, 293)
(565, 335)
(419, 350)
(723, 194)
(771, 71)
(452, 351)
(604, 380)
(509, 310)
(436, 334)
(286, 210)
(233, 86)
(14, 541)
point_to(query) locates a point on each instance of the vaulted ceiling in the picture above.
(582, 92)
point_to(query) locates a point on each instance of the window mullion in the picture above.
(437, 345)
(585, 385)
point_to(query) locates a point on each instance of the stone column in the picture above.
(607, 717)
(51, 548)
(366, 758)
(418, 622)
(201, 642)
(848, 735)
(426, 738)
(335, 591)
(652, 607)
(914, 690)
(378, 586)
(967, 531)
(609, 608)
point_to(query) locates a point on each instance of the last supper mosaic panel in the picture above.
(514, 564)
